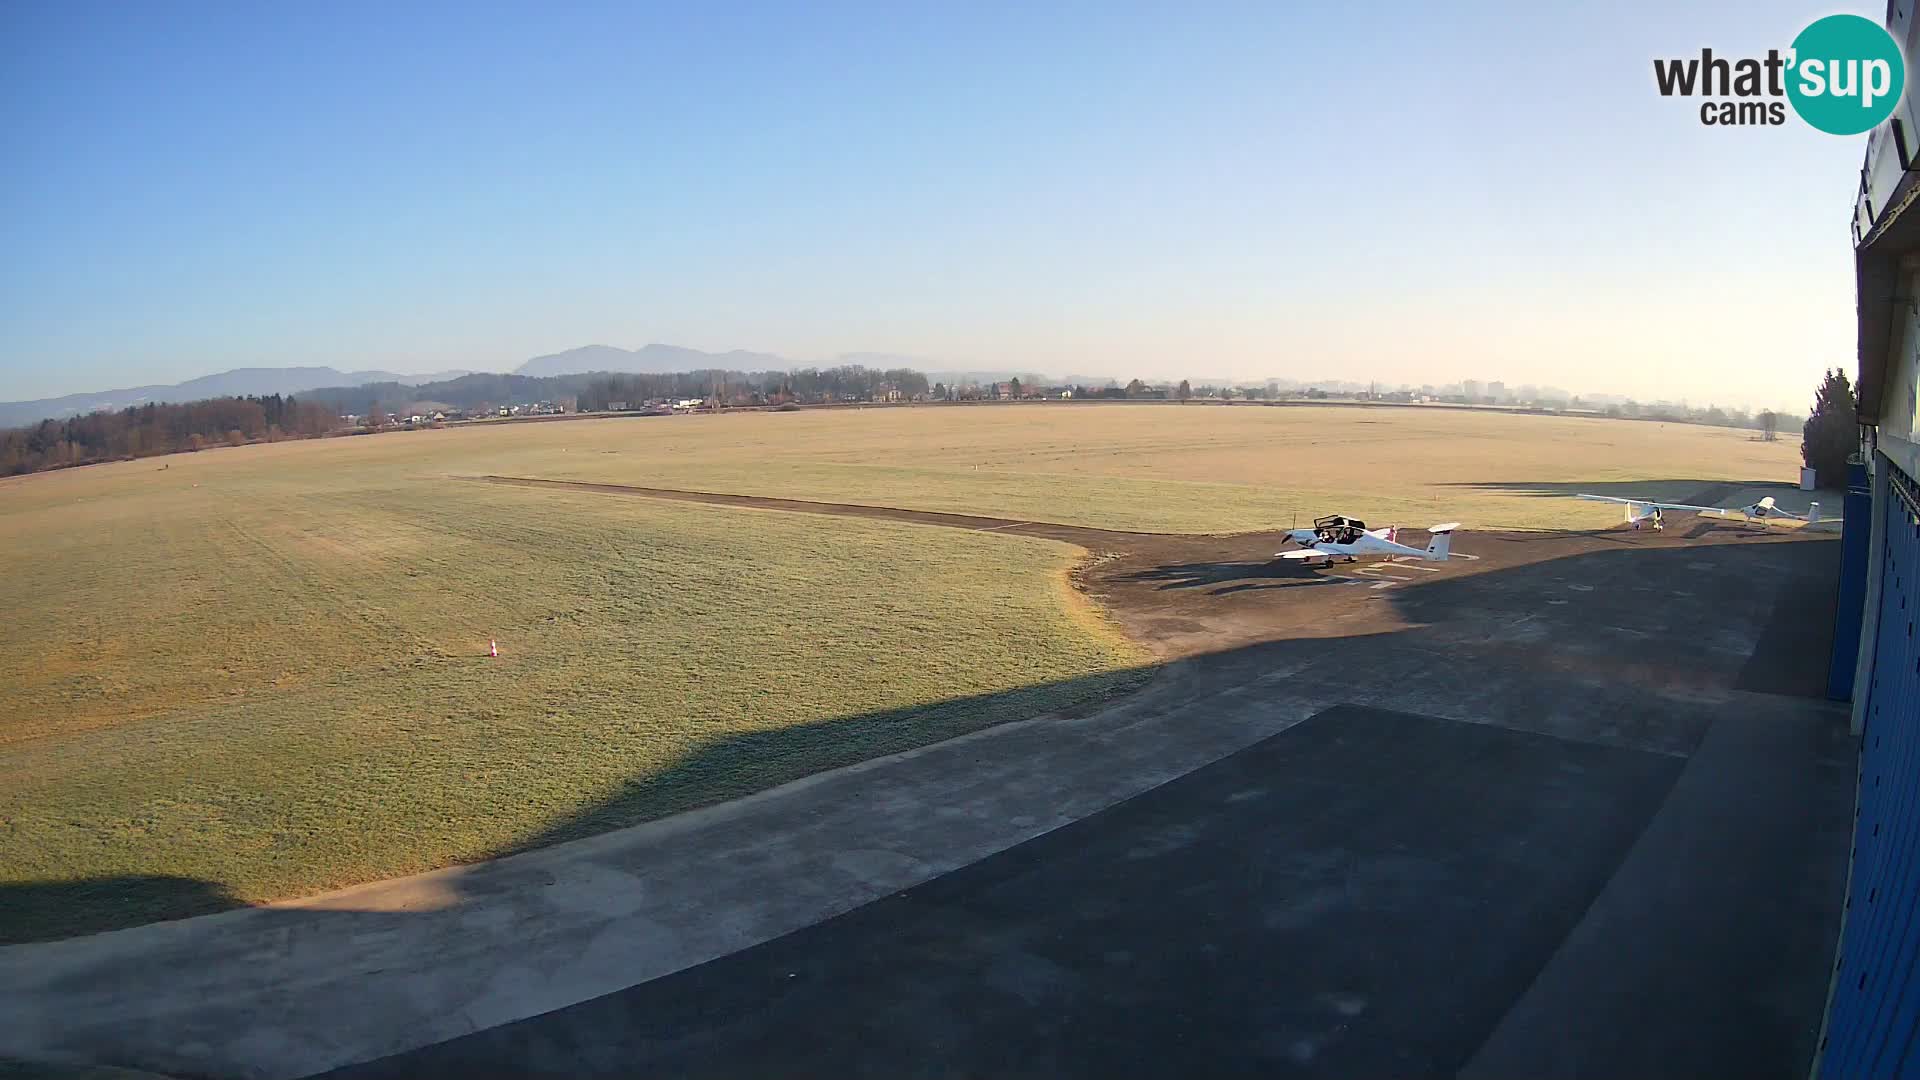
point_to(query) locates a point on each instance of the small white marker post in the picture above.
(493, 647)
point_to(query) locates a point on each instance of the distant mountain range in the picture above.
(536, 377)
(647, 360)
(236, 383)
(655, 359)
(659, 359)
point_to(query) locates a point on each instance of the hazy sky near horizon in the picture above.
(1402, 192)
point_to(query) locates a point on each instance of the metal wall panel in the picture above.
(1873, 1019)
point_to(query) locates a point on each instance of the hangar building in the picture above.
(1873, 1013)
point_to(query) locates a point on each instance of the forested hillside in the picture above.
(147, 430)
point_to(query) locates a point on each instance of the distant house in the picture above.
(616, 406)
(886, 392)
(1003, 390)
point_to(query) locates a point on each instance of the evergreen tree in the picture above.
(1832, 433)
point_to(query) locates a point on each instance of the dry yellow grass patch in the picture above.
(1147, 467)
(263, 672)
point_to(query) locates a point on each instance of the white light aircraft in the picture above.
(1339, 537)
(1765, 511)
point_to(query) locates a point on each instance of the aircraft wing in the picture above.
(1658, 505)
(1308, 553)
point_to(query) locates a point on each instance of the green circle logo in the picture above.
(1847, 74)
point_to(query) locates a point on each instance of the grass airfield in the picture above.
(277, 682)
(1151, 468)
(262, 669)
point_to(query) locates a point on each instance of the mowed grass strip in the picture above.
(251, 677)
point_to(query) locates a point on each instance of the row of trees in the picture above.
(166, 428)
(465, 392)
(147, 430)
(594, 390)
(1035, 388)
(841, 383)
(1830, 433)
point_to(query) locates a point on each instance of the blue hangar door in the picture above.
(1873, 1022)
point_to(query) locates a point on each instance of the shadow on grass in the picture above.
(1229, 577)
(35, 1070)
(1702, 492)
(722, 768)
(1679, 523)
(730, 766)
(38, 910)
(1195, 575)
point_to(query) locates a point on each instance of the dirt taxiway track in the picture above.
(1184, 595)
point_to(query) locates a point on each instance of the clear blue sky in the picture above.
(1414, 191)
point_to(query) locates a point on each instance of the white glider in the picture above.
(1764, 511)
(1343, 537)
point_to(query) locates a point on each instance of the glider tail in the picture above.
(1437, 547)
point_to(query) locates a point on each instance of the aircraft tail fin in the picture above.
(1438, 547)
